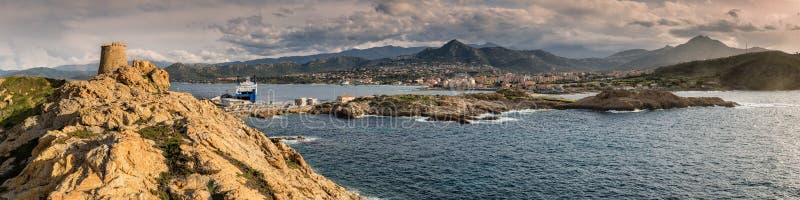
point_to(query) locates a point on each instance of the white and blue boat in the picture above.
(247, 90)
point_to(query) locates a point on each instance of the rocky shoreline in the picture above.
(124, 135)
(466, 108)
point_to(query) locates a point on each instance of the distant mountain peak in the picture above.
(701, 37)
(704, 40)
(454, 43)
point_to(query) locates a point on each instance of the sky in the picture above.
(46, 33)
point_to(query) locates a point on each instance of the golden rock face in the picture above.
(124, 135)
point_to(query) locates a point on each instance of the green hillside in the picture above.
(773, 70)
(21, 96)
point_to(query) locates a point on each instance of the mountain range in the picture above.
(67, 72)
(454, 51)
(526, 61)
(369, 53)
(770, 70)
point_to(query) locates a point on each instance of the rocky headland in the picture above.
(624, 100)
(124, 135)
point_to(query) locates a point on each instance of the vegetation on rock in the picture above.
(22, 97)
(771, 70)
(254, 178)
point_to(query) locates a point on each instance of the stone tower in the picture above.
(112, 57)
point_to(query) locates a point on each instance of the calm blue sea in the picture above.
(751, 152)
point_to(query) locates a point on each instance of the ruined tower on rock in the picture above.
(112, 57)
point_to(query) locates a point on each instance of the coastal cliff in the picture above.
(124, 135)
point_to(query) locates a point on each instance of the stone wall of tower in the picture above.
(112, 57)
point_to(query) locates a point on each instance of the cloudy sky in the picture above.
(38, 33)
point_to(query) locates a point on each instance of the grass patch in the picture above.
(163, 180)
(82, 134)
(513, 94)
(169, 140)
(213, 189)
(254, 178)
(293, 164)
(27, 94)
(549, 98)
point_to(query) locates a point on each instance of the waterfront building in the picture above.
(300, 102)
(345, 98)
(312, 101)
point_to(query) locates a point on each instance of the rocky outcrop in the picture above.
(624, 100)
(124, 135)
(460, 108)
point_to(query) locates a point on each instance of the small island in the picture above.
(625, 100)
(459, 108)
(466, 108)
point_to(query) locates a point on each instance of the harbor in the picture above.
(244, 102)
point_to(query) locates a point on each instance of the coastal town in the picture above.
(478, 77)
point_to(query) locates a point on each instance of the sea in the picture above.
(747, 152)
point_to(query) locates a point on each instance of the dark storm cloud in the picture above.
(47, 32)
(666, 22)
(734, 13)
(719, 26)
(390, 20)
(643, 23)
(660, 22)
(283, 12)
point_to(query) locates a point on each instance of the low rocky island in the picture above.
(466, 108)
(624, 100)
(459, 108)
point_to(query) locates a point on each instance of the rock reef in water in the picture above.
(123, 135)
(466, 108)
(460, 108)
(624, 100)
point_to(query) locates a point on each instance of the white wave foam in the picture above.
(366, 116)
(523, 111)
(747, 105)
(307, 139)
(358, 192)
(625, 111)
(499, 120)
(421, 119)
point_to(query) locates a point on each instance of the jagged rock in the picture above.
(123, 135)
(624, 100)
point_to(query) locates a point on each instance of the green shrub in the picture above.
(27, 94)
(82, 134)
(293, 164)
(254, 178)
(513, 94)
(169, 140)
